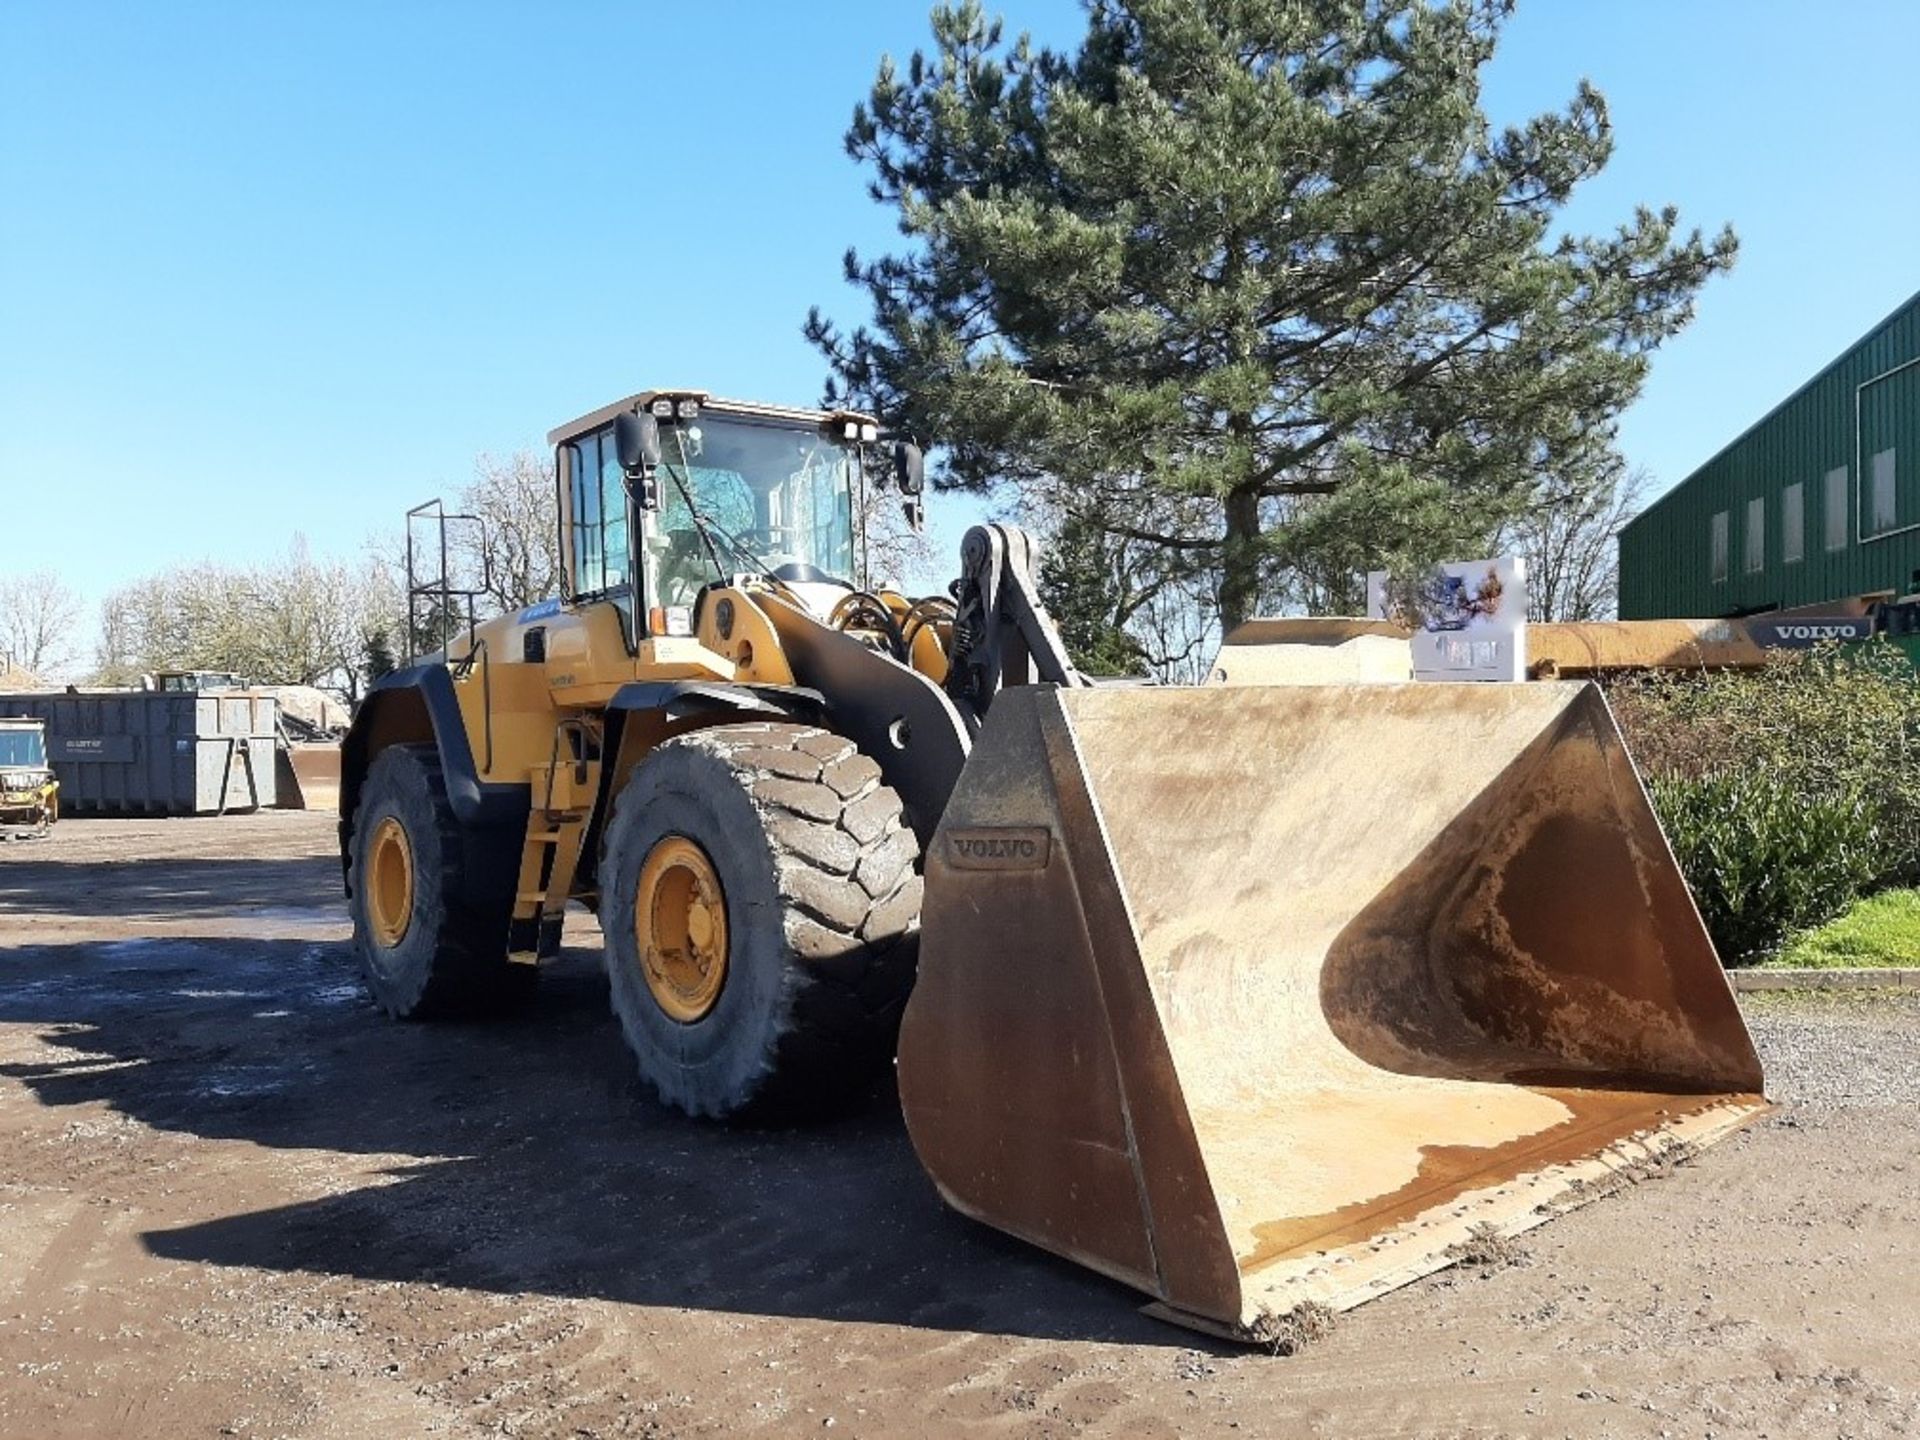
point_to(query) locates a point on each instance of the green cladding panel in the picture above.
(1836, 468)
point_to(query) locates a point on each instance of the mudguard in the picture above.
(414, 706)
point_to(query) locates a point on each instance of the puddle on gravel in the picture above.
(297, 917)
(207, 973)
(190, 994)
(236, 1083)
(145, 951)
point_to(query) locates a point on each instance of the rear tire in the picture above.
(426, 948)
(820, 891)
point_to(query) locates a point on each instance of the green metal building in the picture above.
(1819, 502)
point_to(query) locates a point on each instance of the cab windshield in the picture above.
(22, 747)
(774, 495)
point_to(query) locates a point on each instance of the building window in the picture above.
(1793, 521)
(1883, 491)
(1756, 535)
(1719, 533)
(1837, 509)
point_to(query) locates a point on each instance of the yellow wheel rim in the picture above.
(680, 922)
(390, 883)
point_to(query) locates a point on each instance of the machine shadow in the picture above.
(518, 1156)
(180, 888)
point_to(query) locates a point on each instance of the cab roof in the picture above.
(594, 419)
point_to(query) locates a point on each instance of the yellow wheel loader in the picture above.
(29, 791)
(1252, 997)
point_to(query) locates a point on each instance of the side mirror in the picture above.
(909, 468)
(636, 441)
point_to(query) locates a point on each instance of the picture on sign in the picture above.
(1468, 619)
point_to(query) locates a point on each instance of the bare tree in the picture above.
(1179, 626)
(38, 613)
(1569, 536)
(300, 621)
(515, 498)
(1124, 602)
(509, 559)
(895, 550)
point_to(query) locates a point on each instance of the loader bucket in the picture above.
(309, 776)
(1253, 997)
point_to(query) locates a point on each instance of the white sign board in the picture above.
(1469, 620)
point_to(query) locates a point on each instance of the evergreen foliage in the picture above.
(1253, 282)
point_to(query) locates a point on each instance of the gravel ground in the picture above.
(234, 1201)
(1835, 1050)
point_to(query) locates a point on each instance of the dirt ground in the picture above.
(234, 1200)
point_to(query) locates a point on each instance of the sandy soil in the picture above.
(236, 1201)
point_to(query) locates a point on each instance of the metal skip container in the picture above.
(150, 752)
(1260, 997)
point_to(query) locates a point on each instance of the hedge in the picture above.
(1786, 792)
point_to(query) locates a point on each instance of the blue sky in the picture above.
(277, 268)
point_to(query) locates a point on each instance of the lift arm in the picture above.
(1002, 634)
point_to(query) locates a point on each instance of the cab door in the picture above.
(591, 653)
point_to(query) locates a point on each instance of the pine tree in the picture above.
(1264, 265)
(1080, 586)
(377, 659)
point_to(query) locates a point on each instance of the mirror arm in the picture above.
(644, 486)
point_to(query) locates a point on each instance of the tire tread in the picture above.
(469, 973)
(846, 869)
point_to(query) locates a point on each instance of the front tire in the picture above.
(760, 899)
(426, 947)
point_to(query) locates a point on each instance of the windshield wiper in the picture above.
(741, 550)
(707, 529)
(699, 523)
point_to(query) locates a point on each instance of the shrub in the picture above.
(1762, 859)
(1787, 791)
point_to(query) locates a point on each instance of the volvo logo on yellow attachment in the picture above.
(999, 848)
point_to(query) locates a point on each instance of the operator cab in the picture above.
(23, 747)
(738, 489)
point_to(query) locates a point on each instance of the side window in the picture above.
(613, 516)
(1718, 538)
(1793, 525)
(597, 538)
(1756, 535)
(586, 516)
